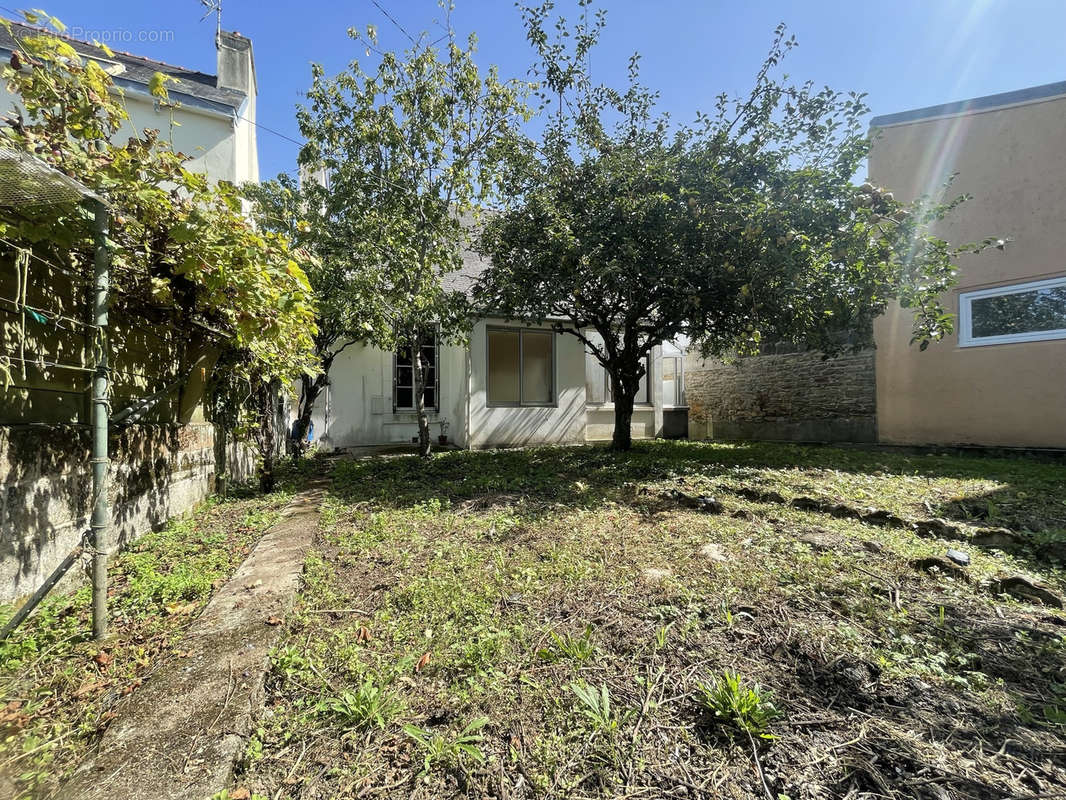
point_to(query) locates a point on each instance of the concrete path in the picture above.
(179, 735)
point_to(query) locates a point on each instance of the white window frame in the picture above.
(966, 337)
(396, 407)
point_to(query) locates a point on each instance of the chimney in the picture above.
(236, 70)
(236, 65)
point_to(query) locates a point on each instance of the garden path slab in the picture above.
(179, 735)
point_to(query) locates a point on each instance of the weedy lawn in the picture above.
(59, 688)
(570, 622)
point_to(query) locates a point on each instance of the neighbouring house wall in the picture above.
(157, 472)
(206, 136)
(1012, 162)
(356, 408)
(797, 396)
(562, 423)
(165, 464)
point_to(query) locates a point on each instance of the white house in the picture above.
(513, 384)
(216, 113)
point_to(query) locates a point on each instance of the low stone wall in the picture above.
(157, 472)
(790, 396)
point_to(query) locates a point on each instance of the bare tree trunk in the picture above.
(424, 443)
(310, 389)
(625, 393)
(266, 438)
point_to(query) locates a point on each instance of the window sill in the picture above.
(1021, 338)
(521, 405)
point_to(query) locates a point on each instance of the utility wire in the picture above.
(271, 130)
(392, 19)
(83, 276)
(123, 323)
(50, 316)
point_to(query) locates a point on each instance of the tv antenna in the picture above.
(213, 7)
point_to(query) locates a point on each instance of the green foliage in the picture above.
(595, 706)
(371, 704)
(176, 241)
(662, 634)
(576, 648)
(411, 148)
(738, 705)
(343, 289)
(449, 750)
(291, 663)
(740, 228)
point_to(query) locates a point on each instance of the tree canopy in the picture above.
(343, 289)
(627, 230)
(405, 151)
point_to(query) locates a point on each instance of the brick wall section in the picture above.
(157, 472)
(797, 396)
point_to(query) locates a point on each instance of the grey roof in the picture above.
(463, 279)
(986, 103)
(188, 86)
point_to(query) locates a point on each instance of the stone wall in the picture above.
(783, 396)
(157, 472)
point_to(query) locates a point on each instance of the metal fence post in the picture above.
(100, 522)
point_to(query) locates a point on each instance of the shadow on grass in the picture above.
(1031, 497)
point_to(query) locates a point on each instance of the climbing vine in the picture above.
(177, 241)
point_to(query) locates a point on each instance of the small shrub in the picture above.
(596, 707)
(576, 648)
(290, 662)
(738, 705)
(661, 636)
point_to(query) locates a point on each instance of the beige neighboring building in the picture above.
(1000, 378)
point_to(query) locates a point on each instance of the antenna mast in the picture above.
(213, 7)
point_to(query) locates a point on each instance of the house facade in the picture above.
(512, 384)
(1000, 378)
(215, 114)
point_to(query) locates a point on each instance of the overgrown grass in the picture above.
(604, 640)
(58, 688)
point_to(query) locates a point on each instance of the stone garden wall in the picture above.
(157, 472)
(783, 396)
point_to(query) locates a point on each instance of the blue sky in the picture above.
(904, 54)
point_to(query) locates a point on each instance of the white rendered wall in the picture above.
(356, 409)
(563, 422)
